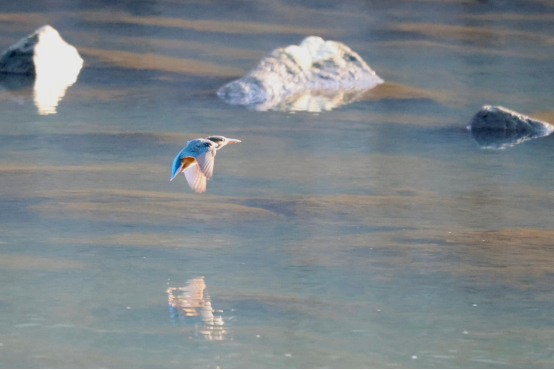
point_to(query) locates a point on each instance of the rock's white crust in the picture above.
(289, 76)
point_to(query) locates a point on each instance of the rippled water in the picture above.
(378, 234)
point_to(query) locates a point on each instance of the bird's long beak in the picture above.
(232, 141)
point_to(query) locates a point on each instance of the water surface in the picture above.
(377, 234)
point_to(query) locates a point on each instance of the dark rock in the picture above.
(495, 127)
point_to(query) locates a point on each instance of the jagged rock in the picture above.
(294, 75)
(495, 127)
(45, 55)
(43, 49)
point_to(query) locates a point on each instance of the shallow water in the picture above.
(378, 234)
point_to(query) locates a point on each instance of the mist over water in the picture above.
(375, 234)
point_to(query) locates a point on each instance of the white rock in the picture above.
(54, 63)
(42, 51)
(317, 74)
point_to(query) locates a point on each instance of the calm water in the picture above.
(378, 234)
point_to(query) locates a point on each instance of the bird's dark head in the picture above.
(221, 141)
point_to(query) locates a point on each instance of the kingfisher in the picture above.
(196, 160)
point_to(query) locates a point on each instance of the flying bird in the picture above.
(196, 160)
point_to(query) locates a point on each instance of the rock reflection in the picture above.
(50, 89)
(313, 101)
(190, 304)
(498, 140)
(46, 89)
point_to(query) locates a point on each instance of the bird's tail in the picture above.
(180, 164)
(177, 167)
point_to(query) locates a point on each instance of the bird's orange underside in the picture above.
(187, 162)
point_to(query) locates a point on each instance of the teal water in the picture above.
(377, 234)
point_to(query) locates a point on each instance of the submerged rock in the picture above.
(45, 55)
(315, 75)
(495, 127)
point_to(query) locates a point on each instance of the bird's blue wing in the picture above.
(193, 149)
(200, 151)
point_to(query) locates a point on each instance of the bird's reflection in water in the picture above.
(190, 304)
